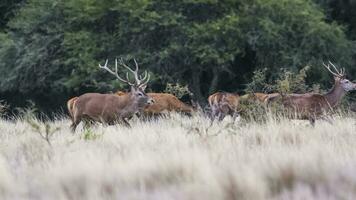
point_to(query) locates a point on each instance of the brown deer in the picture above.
(270, 97)
(263, 97)
(163, 102)
(311, 106)
(111, 108)
(224, 103)
(259, 97)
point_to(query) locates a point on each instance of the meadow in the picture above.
(179, 157)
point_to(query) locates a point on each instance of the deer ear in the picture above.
(133, 89)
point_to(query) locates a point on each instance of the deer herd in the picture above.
(121, 106)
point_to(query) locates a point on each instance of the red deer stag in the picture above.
(163, 102)
(222, 104)
(111, 108)
(311, 106)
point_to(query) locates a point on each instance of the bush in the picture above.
(259, 82)
(287, 81)
(177, 90)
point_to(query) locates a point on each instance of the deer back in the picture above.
(306, 104)
(103, 106)
(224, 101)
(165, 101)
(261, 97)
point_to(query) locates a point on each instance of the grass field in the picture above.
(179, 158)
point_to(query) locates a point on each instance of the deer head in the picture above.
(138, 86)
(340, 77)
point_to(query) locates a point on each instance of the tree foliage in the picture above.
(51, 48)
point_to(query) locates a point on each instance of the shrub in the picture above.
(177, 90)
(287, 81)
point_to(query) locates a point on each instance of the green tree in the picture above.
(343, 12)
(7, 11)
(51, 48)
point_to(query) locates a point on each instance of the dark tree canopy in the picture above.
(50, 49)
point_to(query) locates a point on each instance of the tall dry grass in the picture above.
(179, 158)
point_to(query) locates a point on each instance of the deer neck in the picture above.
(135, 104)
(335, 95)
(131, 101)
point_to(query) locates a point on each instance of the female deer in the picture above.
(222, 104)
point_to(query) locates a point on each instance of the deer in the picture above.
(164, 102)
(259, 97)
(312, 106)
(111, 108)
(223, 104)
(263, 97)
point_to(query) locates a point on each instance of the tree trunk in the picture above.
(214, 81)
(196, 87)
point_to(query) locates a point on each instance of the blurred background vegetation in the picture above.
(50, 49)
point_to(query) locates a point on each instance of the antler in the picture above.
(138, 78)
(139, 81)
(116, 74)
(337, 73)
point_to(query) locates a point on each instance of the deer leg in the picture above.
(218, 115)
(327, 119)
(76, 119)
(312, 121)
(221, 116)
(212, 114)
(71, 117)
(110, 123)
(149, 117)
(126, 123)
(88, 123)
(139, 114)
(235, 115)
(74, 124)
